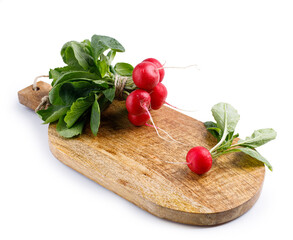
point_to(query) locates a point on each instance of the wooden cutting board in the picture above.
(131, 162)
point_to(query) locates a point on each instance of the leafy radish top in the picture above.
(227, 118)
(86, 85)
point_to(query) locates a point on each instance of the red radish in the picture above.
(158, 96)
(199, 160)
(146, 75)
(138, 120)
(158, 65)
(138, 101)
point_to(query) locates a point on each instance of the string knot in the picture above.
(119, 83)
(45, 103)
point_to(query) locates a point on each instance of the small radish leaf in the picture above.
(103, 66)
(66, 132)
(110, 56)
(219, 110)
(71, 91)
(76, 54)
(99, 44)
(213, 129)
(67, 92)
(76, 75)
(110, 94)
(57, 72)
(123, 69)
(258, 138)
(95, 117)
(54, 95)
(77, 109)
(52, 113)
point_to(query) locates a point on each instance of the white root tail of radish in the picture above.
(156, 129)
(168, 135)
(184, 110)
(154, 125)
(184, 67)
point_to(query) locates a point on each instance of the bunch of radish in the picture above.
(152, 94)
(147, 76)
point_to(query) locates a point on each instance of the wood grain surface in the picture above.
(131, 162)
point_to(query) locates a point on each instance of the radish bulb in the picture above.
(199, 160)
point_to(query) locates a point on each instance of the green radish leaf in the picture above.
(71, 91)
(76, 54)
(52, 113)
(87, 45)
(213, 129)
(58, 72)
(227, 118)
(123, 69)
(101, 83)
(77, 109)
(95, 117)
(54, 74)
(66, 132)
(76, 75)
(103, 66)
(258, 138)
(54, 95)
(67, 92)
(224, 127)
(220, 110)
(99, 44)
(109, 94)
(249, 151)
(110, 56)
(255, 154)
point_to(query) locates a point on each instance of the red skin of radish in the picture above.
(138, 120)
(158, 96)
(137, 101)
(199, 160)
(158, 65)
(146, 75)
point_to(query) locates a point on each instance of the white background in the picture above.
(245, 53)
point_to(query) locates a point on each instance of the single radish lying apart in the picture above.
(158, 65)
(199, 160)
(146, 75)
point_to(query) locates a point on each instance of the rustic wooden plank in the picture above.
(131, 162)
